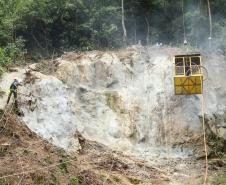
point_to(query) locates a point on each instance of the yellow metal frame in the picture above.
(188, 84)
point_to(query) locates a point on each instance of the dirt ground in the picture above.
(27, 159)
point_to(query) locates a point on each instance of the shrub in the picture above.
(10, 53)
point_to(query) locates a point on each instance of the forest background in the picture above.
(41, 28)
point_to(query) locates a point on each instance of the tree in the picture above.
(123, 24)
(210, 19)
(58, 25)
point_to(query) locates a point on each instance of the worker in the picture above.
(13, 90)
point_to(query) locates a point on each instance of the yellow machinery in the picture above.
(188, 77)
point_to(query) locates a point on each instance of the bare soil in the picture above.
(27, 159)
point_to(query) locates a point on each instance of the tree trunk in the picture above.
(210, 18)
(148, 29)
(135, 32)
(123, 24)
(76, 21)
(184, 29)
(12, 34)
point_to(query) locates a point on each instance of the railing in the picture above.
(179, 70)
(193, 70)
(196, 69)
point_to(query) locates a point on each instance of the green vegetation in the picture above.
(48, 159)
(10, 53)
(217, 146)
(48, 27)
(1, 113)
(3, 151)
(64, 166)
(64, 160)
(74, 181)
(220, 179)
(111, 99)
(114, 102)
(3, 182)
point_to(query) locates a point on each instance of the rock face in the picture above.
(48, 112)
(124, 99)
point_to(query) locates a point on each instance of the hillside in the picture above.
(28, 159)
(87, 117)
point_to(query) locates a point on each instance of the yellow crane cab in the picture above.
(188, 77)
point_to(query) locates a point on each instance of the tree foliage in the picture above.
(58, 25)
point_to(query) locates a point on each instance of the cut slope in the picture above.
(123, 99)
(27, 159)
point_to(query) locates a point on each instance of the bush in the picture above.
(11, 53)
(217, 146)
(14, 51)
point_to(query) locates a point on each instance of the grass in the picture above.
(63, 160)
(3, 152)
(220, 179)
(48, 160)
(3, 182)
(74, 181)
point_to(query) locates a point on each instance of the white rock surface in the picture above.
(52, 117)
(123, 99)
